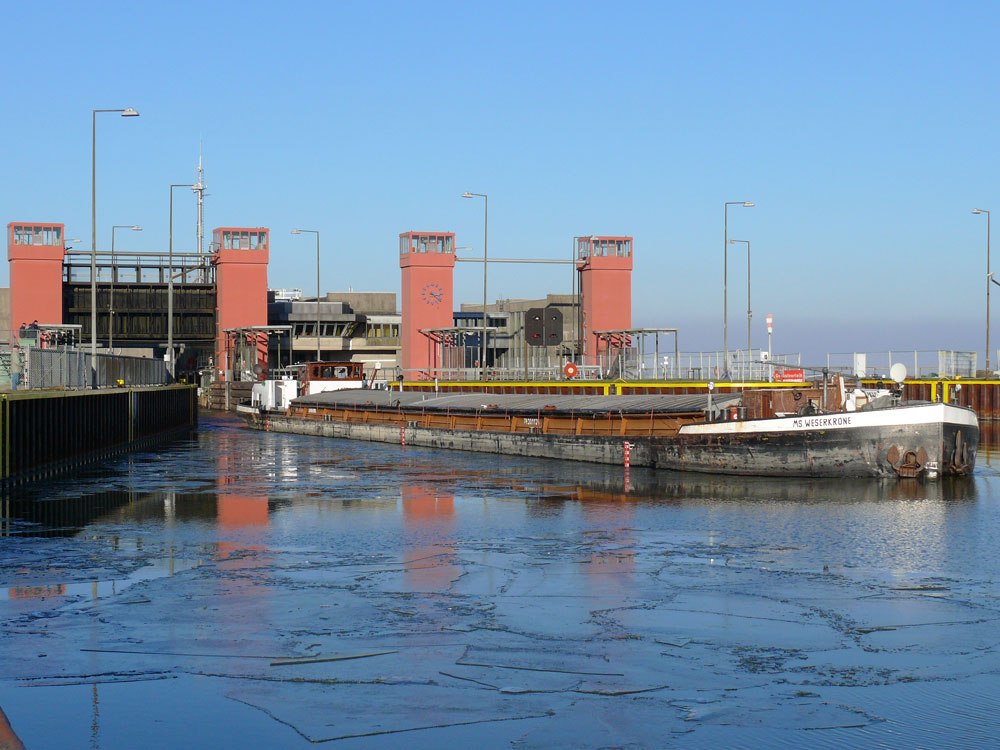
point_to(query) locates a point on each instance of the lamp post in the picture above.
(170, 281)
(316, 232)
(988, 277)
(111, 295)
(578, 292)
(747, 243)
(486, 234)
(725, 275)
(127, 112)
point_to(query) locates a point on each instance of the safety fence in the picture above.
(629, 364)
(37, 369)
(945, 363)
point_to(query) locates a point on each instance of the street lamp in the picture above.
(127, 112)
(111, 294)
(486, 234)
(170, 281)
(725, 275)
(747, 242)
(578, 289)
(316, 232)
(988, 277)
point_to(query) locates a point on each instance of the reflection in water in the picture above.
(28, 517)
(8, 740)
(988, 457)
(671, 487)
(303, 546)
(428, 554)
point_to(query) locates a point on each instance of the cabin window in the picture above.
(340, 372)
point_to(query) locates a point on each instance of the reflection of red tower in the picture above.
(605, 265)
(237, 512)
(612, 563)
(241, 256)
(427, 262)
(422, 507)
(35, 252)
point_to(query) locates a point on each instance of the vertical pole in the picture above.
(579, 311)
(656, 367)
(748, 308)
(111, 294)
(486, 234)
(318, 358)
(170, 288)
(987, 294)
(525, 329)
(93, 249)
(572, 258)
(725, 288)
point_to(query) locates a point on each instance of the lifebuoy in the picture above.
(570, 370)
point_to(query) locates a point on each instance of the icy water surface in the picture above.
(244, 589)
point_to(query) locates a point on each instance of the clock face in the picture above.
(432, 294)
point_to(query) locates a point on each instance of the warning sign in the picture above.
(789, 376)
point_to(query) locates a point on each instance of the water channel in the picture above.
(246, 589)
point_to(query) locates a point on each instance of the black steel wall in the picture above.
(42, 433)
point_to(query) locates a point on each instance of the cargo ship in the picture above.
(808, 431)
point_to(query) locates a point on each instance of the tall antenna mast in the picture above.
(199, 189)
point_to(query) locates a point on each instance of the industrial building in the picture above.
(436, 340)
(353, 327)
(214, 308)
(212, 294)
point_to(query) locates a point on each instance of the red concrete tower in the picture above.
(35, 252)
(241, 255)
(427, 261)
(605, 265)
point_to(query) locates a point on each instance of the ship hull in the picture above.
(906, 441)
(923, 440)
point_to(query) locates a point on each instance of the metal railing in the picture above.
(629, 364)
(626, 364)
(69, 368)
(755, 365)
(919, 363)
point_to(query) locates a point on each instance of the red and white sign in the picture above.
(770, 323)
(789, 376)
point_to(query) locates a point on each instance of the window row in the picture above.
(346, 330)
(244, 240)
(426, 243)
(37, 235)
(382, 330)
(604, 248)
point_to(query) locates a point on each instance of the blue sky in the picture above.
(865, 133)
